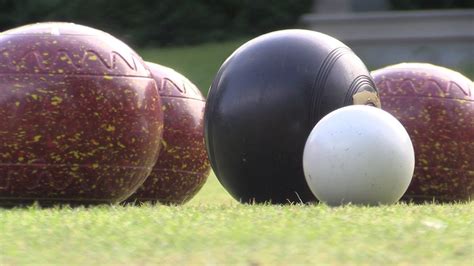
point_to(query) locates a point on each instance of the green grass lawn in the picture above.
(214, 229)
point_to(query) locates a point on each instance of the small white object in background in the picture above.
(358, 154)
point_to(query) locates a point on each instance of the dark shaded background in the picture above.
(430, 4)
(177, 22)
(160, 22)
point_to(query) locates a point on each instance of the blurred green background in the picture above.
(185, 22)
(192, 36)
(163, 22)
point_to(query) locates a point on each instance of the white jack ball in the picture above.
(358, 154)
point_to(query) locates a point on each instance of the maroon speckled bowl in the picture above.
(183, 166)
(80, 116)
(436, 106)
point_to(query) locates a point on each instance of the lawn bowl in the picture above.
(183, 166)
(436, 106)
(80, 116)
(358, 155)
(264, 102)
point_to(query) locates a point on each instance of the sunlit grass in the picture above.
(216, 230)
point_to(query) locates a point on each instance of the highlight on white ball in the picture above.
(358, 154)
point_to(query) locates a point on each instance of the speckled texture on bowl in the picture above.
(80, 116)
(183, 166)
(436, 106)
